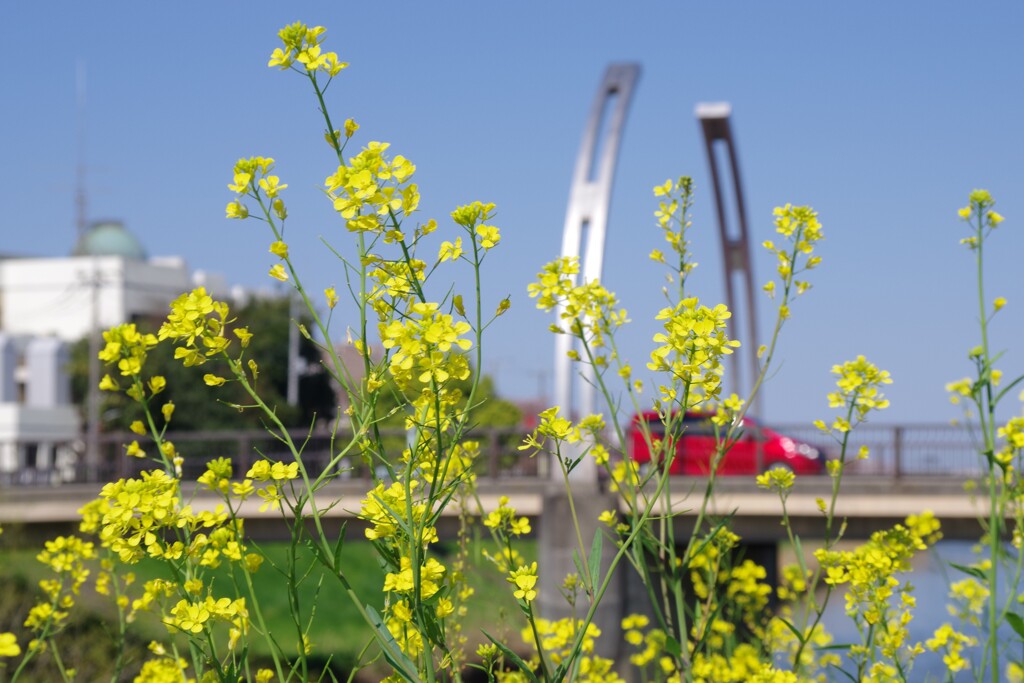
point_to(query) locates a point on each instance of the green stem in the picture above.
(987, 417)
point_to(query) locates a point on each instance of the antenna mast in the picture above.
(81, 204)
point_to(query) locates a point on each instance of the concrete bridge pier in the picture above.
(557, 543)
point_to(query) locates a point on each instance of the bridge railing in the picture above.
(500, 457)
(909, 450)
(906, 450)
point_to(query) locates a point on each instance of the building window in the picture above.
(31, 456)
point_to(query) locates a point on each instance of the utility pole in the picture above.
(81, 203)
(93, 400)
(92, 280)
(292, 394)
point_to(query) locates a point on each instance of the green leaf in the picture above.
(1007, 388)
(673, 647)
(1016, 622)
(972, 571)
(594, 565)
(846, 673)
(578, 563)
(514, 658)
(794, 629)
(398, 660)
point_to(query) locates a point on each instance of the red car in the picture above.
(757, 449)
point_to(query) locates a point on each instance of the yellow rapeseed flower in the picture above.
(525, 580)
(9, 645)
(331, 294)
(279, 249)
(279, 273)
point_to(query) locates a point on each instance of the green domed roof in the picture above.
(109, 238)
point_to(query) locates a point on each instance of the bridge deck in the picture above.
(867, 503)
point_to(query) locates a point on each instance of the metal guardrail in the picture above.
(499, 459)
(896, 451)
(906, 450)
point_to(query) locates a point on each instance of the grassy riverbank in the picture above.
(339, 632)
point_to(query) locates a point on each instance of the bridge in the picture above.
(912, 468)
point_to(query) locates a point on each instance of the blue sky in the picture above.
(883, 116)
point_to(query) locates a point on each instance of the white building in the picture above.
(48, 303)
(106, 281)
(40, 429)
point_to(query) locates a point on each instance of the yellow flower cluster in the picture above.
(66, 556)
(979, 214)
(587, 311)
(524, 578)
(859, 385)
(672, 215)
(859, 392)
(777, 479)
(404, 580)
(154, 592)
(127, 347)
(551, 427)
(557, 639)
(781, 639)
(217, 476)
(223, 542)
(653, 641)
(969, 597)
(799, 226)
(951, 643)
(793, 583)
(302, 45)
(505, 520)
(399, 280)
(691, 349)
(626, 478)
(198, 324)
(194, 617)
(876, 599)
(456, 469)
(1012, 434)
(163, 670)
(386, 510)
(505, 559)
(403, 629)
(264, 470)
(132, 516)
(372, 189)
(426, 345)
(251, 178)
(9, 645)
(135, 513)
(736, 593)
(737, 662)
(472, 217)
(743, 663)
